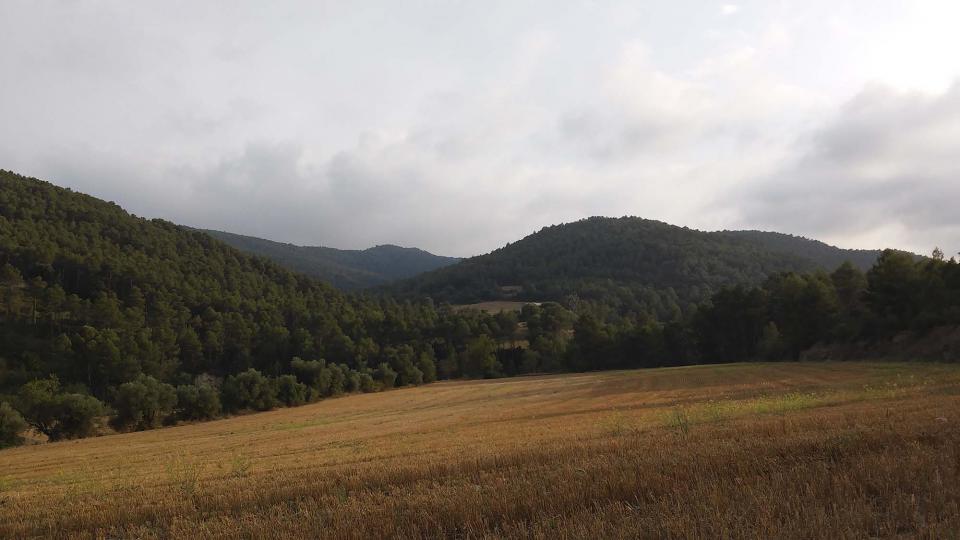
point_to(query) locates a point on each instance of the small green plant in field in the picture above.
(183, 475)
(679, 420)
(240, 466)
(789, 402)
(617, 424)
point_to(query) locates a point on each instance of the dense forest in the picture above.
(99, 306)
(105, 315)
(345, 269)
(626, 266)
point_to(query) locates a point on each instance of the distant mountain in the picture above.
(626, 264)
(344, 268)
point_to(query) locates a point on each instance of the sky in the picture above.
(459, 126)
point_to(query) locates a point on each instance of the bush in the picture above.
(144, 403)
(315, 374)
(78, 416)
(367, 384)
(290, 392)
(353, 381)
(248, 390)
(56, 414)
(428, 366)
(385, 375)
(11, 426)
(338, 379)
(199, 401)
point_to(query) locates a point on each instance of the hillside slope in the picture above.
(97, 296)
(825, 255)
(343, 268)
(629, 263)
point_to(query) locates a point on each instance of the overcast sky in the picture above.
(459, 126)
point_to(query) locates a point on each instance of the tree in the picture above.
(200, 401)
(144, 403)
(892, 287)
(481, 360)
(385, 375)
(291, 392)
(367, 384)
(248, 390)
(12, 425)
(427, 365)
(56, 414)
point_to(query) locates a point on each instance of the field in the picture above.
(495, 306)
(815, 450)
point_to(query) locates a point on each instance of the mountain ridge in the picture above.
(346, 269)
(629, 263)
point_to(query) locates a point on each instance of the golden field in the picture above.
(808, 450)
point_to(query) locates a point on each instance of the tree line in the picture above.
(104, 315)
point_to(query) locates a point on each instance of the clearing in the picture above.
(838, 450)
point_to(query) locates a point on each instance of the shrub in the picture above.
(11, 426)
(427, 366)
(338, 379)
(56, 414)
(367, 384)
(199, 401)
(352, 383)
(248, 390)
(385, 375)
(78, 415)
(290, 392)
(144, 403)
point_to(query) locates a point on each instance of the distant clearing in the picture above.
(808, 450)
(494, 307)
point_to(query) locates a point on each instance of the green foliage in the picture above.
(248, 390)
(481, 360)
(12, 426)
(144, 403)
(290, 392)
(57, 414)
(625, 266)
(385, 375)
(367, 383)
(427, 366)
(200, 401)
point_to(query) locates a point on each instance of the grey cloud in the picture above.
(886, 158)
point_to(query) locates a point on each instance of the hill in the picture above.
(343, 268)
(628, 264)
(735, 451)
(97, 297)
(825, 255)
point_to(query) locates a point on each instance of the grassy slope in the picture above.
(748, 450)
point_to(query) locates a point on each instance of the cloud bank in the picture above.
(459, 127)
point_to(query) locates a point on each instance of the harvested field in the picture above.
(825, 450)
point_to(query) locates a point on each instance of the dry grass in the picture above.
(759, 451)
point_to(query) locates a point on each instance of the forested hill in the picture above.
(626, 264)
(97, 297)
(343, 268)
(825, 255)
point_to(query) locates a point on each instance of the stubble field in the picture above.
(810, 450)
